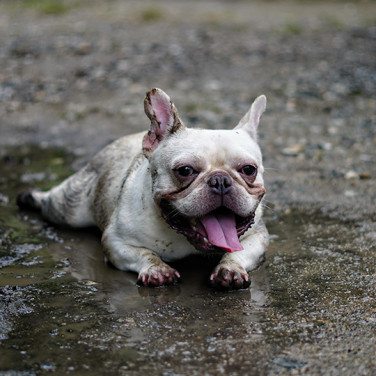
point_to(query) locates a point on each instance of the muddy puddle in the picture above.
(63, 310)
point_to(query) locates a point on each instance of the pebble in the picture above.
(350, 193)
(293, 150)
(351, 175)
(364, 176)
(3, 200)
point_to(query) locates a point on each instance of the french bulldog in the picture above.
(169, 193)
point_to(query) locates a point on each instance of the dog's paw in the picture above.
(158, 275)
(229, 278)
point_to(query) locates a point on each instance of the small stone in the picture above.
(293, 150)
(364, 176)
(350, 193)
(366, 158)
(31, 177)
(3, 200)
(351, 175)
(91, 283)
(326, 146)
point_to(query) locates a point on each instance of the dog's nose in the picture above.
(220, 183)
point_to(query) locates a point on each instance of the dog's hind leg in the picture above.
(67, 203)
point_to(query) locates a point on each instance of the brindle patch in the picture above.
(155, 135)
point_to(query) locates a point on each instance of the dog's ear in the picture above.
(164, 119)
(251, 119)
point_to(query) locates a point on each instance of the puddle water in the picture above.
(63, 310)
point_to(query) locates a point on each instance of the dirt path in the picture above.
(74, 77)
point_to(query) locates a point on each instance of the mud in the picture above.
(73, 78)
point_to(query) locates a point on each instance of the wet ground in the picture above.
(72, 78)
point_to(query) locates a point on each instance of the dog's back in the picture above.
(89, 196)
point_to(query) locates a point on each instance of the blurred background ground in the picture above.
(73, 75)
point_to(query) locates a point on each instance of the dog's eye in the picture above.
(248, 170)
(185, 171)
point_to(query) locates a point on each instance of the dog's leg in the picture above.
(152, 271)
(65, 204)
(232, 271)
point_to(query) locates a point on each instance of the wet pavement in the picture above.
(311, 308)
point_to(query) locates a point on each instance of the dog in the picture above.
(172, 192)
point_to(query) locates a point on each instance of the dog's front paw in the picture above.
(229, 278)
(158, 275)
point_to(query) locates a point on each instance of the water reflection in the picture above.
(86, 263)
(64, 297)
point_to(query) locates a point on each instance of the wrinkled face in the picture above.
(208, 185)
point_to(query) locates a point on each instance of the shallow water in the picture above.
(64, 310)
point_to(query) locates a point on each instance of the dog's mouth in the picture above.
(216, 231)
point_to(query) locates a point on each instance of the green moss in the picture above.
(48, 7)
(151, 14)
(293, 28)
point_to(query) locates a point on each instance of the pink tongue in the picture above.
(221, 231)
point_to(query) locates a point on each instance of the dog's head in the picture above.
(207, 183)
